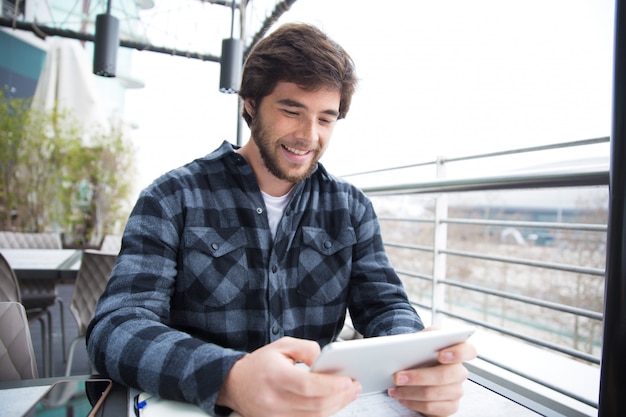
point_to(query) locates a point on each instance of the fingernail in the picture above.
(402, 379)
(391, 392)
(447, 357)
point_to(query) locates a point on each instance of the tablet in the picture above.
(373, 361)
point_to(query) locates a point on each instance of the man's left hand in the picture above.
(435, 391)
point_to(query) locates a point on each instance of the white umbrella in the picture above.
(66, 81)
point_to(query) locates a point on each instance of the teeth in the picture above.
(296, 151)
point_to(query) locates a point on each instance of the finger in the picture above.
(432, 408)
(314, 384)
(300, 350)
(324, 394)
(457, 353)
(432, 376)
(451, 392)
(430, 400)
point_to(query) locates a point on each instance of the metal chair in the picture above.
(37, 296)
(92, 278)
(17, 357)
(10, 292)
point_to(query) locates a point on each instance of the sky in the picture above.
(436, 78)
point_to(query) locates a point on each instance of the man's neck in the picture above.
(268, 183)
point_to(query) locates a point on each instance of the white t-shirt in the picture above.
(275, 208)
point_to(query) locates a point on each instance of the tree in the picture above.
(51, 180)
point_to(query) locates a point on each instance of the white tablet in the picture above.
(373, 361)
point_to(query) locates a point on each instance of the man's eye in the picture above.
(290, 113)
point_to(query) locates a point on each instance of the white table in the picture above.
(59, 264)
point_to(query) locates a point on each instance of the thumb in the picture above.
(299, 350)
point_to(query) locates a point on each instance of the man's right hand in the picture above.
(266, 383)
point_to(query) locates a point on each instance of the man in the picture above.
(242, 263)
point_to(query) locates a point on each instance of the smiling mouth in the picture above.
(295, 151)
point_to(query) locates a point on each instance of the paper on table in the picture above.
(373, 405)
(376, 405)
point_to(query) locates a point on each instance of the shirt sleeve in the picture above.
(129, 339)
(378, 303)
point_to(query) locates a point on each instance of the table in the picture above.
(19, 395)
(56, 264)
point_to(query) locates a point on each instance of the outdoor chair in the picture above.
(37, 295)
(92, 278)
(111, 243)
(10, 292)
(9, 287)
(18, 240)
(17, 357)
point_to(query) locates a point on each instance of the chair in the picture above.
(92, 278)
(37, 296)
(9, 287)
(111, 243)
(17, 357)
(18, 240)
(10, 292)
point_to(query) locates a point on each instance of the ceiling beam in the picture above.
(43, 31)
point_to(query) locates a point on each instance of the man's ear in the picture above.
(250, 106)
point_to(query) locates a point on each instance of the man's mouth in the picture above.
(295, 151)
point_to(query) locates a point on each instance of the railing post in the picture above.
(440, 243)
(613, 372)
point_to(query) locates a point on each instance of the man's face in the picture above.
(291, 129)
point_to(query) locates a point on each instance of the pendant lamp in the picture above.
(106, 44)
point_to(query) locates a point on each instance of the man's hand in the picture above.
(437, 390)
(267, 383)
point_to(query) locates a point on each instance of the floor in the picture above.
(80, 364)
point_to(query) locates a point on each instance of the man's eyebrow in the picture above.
(293, 103)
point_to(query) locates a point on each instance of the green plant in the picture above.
(59, 175)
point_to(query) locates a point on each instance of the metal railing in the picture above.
(436, 274)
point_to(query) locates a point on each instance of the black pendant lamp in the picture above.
(106, 44)
(230, 61)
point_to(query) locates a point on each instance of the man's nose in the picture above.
(308, 130)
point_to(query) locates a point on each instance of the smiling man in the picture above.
(242, 263)
(290, 132)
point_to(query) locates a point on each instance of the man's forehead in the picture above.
(291, 94)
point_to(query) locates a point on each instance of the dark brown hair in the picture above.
(301, 54)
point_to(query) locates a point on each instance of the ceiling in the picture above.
(189, 28)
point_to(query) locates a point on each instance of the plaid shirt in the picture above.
(199, 280)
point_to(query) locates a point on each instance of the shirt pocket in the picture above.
(215, 266)
(325, 264)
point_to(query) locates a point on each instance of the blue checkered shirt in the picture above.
(199, 280)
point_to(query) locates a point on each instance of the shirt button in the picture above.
(259, 210)
(215, 246)
(274, 268)
(328, 244)
(275, 330)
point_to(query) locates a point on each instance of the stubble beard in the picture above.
(270, 156)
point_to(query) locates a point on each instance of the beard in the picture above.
(271, 157)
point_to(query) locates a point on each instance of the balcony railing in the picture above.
(527, 270)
